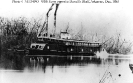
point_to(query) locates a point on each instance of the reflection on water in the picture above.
(40, 63)
(67, 70)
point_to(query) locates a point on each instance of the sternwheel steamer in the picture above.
(50, 45)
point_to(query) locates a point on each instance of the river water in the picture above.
(70, 70)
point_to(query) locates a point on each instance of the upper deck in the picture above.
(72, 42)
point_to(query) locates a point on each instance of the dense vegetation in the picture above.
(16, 34)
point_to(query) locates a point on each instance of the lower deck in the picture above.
(61, 49)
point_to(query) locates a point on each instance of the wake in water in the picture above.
(103, 54)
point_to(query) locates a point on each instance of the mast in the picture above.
(67, 27)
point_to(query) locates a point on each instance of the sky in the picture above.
(101, 18)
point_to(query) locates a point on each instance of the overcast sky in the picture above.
(101, 18)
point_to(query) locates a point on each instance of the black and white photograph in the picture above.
(66, 41)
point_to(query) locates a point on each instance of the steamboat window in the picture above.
(71, 49)
(33, 46)
(39, 46)
(85, 44)
(82, 50)
(43, 39)
(68, 43)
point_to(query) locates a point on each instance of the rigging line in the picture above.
(104, 75)
(111, 76)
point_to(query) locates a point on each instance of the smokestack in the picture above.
(57, 5)
(47, 15)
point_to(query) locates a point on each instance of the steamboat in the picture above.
(49, 44)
